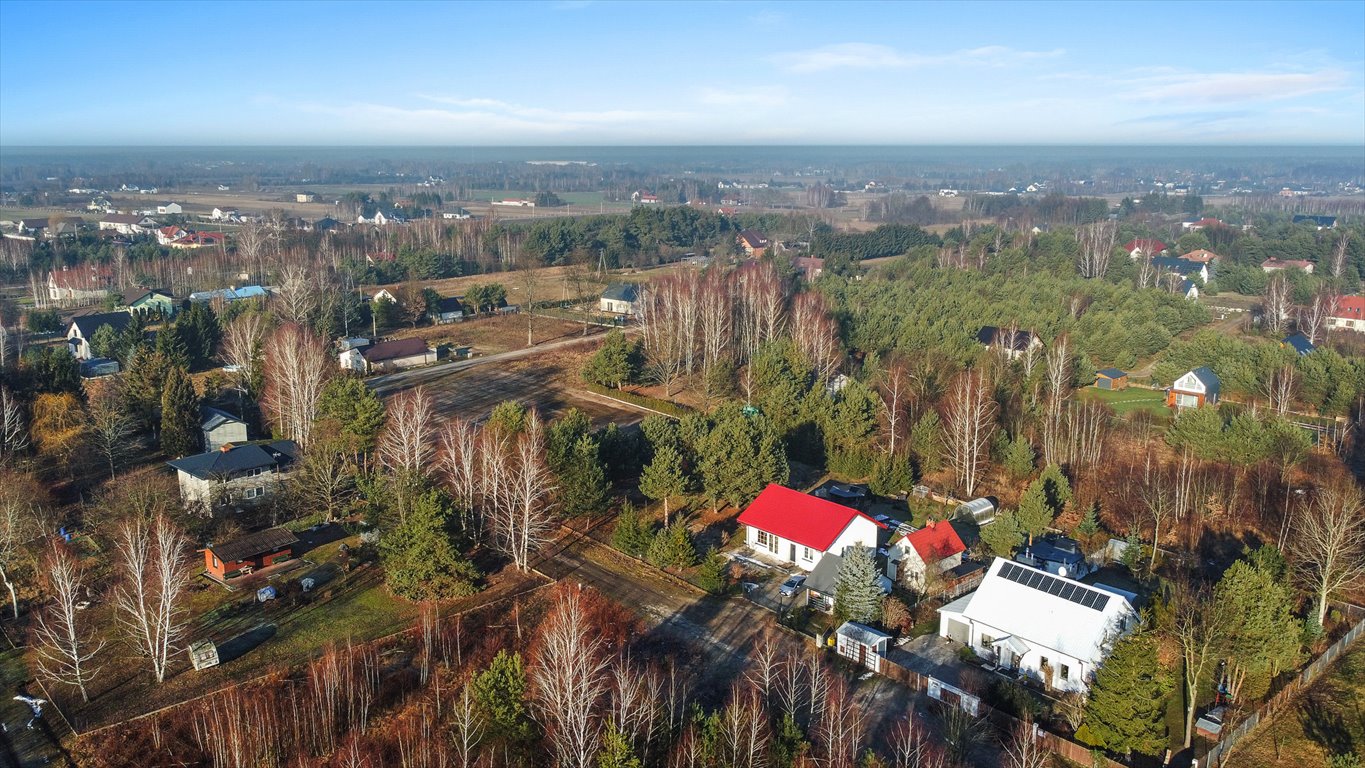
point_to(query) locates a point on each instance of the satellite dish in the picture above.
(1061, 571)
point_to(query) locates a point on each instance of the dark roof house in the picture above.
(1000, 338)
(622, 292)
(253, 544)
(390, 350)
(86, 325)
(1299, 343)
(233, 460)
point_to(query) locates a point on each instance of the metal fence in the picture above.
(1221, 754)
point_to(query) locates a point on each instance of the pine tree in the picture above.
(1058, 488)
(1003, 535)
(1090, 524)
(1019, 457)
(501, 692)
(583, 483)
(663, 478)
(616, 751)
(857, 587)
(1263, 635)
(926, 441)
(713, 573)
(1034, 514)
(631, 535)
(672, 547)
(353, 410)
(420, 560)
(180, 434)
(616, 363)
(1126, 711)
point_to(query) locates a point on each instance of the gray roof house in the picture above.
(83, 328)
(620, 299)
(220, 428)
(233, 474)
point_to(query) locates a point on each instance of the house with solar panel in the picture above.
(1051, 629)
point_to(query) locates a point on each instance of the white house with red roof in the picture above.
(936, 547)
(1144, 247)
(1349, 313)
(797, 528)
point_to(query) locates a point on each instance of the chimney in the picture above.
(226, 447)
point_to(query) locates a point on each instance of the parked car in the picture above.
(792, 584)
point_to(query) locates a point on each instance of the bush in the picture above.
(966, 655)
(672, 547)
(1011, 697)
(665, 407)
(895, 616)
(714, 573)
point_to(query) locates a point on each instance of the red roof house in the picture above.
(936, 547)
(1144, 247)
(1273, 264)
(1349, 313)
(798, 528)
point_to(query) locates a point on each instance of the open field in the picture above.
(1131, 400)
(492, 335)
(1328, 720)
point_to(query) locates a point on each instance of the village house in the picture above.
(1320, 222)
(166, 235)
(800, 529)
(620, 299)
(388, 356)
(1141, 247)
(233, 474)
(131, 224)
(172, 209)
(1200, 256)
(1197, 224)
(82, 285)
(1195, 389)
(809, 267)
(458, 214)
(448, 309)
(754, 243)
(242, 556)
(644, 198)
(199, 240)
(223, 214)
(1348, 314)
(1111, 379)
(220, 428)
(1275, 265)
(933, 549)
(1183, 267)
(1053, 630)
(305, 197)
(84, 327)
(149, 302)
(1058, 555)
(1010, 343)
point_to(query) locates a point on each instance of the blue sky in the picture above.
(579, 72)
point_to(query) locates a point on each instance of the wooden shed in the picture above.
(249, 553)
(1111, 379)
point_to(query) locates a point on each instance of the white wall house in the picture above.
(797, 528)
(1052, 629)
(934, 548)
(169, 208)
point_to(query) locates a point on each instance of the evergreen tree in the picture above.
(891, 475)
(713, 575)
(1262, 634)
(672, 547)
(1057, 487)
(740, 456)
(1126, 711)
(583, 482)
(353, 411)
(616, 363)
(104, 341)
(1004, 535)
(501, 694)
(926, 441)
(420, 560)
(616, 752)
(171, 343)
(145, 384)
(1018, 459)
(198, 328)
(857, 587)
(663, 478)
(180, 435)
(562, 436)
(508, 417)
(1034, 514)
(1090, 524)
(631, 535)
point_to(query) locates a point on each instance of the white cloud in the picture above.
(762, 96)
(875, 56)
(495, 106)
(1227, 87)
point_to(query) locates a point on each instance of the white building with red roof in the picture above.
(797, 528)
(1349, 313)
(1144, 247)
(934, 548)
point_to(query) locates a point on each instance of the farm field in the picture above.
(1328, 720)
(492, 335)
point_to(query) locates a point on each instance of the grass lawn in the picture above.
(1132, 400)
(1328, 720)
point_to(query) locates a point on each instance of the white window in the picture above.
(767, 541)
(807, 554)
(254, 493)
(1065, 672)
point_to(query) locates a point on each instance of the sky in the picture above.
(581, 72)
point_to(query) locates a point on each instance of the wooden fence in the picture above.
(1220, 755)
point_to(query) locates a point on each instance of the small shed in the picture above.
(1111, 379)
(220, 428)
(862, 645)
(253, 551)
(203, 654)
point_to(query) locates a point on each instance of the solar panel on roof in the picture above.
(1054, 585)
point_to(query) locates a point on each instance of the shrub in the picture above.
(714, 573)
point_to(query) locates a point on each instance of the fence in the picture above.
(1221, 754)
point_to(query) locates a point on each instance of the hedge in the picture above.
(666, 407)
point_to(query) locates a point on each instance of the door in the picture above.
(792, 557)
(862, 655)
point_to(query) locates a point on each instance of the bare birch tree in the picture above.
(715, 320)
(1280, 388)
(1339, 255)
(110, 424)
(911, 746)
(18, 523)
(466, 729)
(816, 334)
(154, 575)
(13, 430)
(408, 443)
(297, 296)
(842, 730)
(1058, 388)
(895, 392)
(570, 681)
(1329, 543)
(1097, 247)
(1024, 749)
(241, 346)
(968, 421)
(1313, 318)
(459, 461)
(1198, 632)
(522, 485)
(62, 639)
(297, 366)
(1278, 304)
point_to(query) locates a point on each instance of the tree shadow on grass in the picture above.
(242, 644)
(1322, 721)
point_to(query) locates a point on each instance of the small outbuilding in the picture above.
(203, 654)
(1111, 379)
(388, 356)
(862, 645)
(980, 511)
(620, 299)
(1197, 388)
(249, 553)
(1299, 343)
(220, 428)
